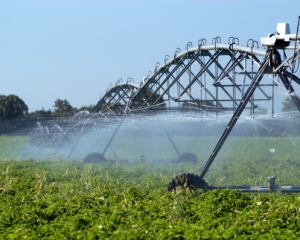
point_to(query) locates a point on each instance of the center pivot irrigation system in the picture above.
(209, 78)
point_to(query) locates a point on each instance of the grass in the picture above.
(10, 146)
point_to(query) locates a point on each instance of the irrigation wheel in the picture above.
(188, 181)
(187, 157)
(94, 158)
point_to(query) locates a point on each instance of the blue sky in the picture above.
(72, 50)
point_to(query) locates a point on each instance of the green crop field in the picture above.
(66, 199)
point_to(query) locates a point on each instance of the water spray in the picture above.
(272, 62)
(165, 85)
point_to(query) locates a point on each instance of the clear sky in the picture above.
(71, 49)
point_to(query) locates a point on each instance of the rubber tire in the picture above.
(187, 157)
(188, 181)
(94, 158)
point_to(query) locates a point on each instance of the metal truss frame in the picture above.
(174, 80)
(116, 99)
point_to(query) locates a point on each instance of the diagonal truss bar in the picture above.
(214, 78)
(246, 97)
(115, 100)
(185, 69)
(110, 96)
(122, 97)
(139, 97)
(248, 74)
(182, 88)
(237, 63)
(294, 56)
(292, 76)
(284, 78)
(151, 81)
(111, 138)
(234, 62)
(169, 137)
(225, 73)
(116, 96)
(161, 85)
(196, 79)
(168, 77)
(223, 69)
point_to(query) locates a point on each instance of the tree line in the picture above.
(62, 108)
(15, 117)
(12, 107)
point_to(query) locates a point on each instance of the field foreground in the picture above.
(58, 199)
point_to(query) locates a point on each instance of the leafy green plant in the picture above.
(67, 199)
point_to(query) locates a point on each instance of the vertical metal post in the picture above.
(201, 88)
(190, 79)
(216, 77)
(217, 97)
(234, 89)
(271, 183)
(178, 88)
(168, 83)
(252, 69)
(244, 79)
(273, 97)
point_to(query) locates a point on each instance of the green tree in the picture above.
(260, 110)
(288, 105)
(87, 108)
(63, 108)
(12, 106)
(42, 113)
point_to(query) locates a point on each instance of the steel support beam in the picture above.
(284, 78)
